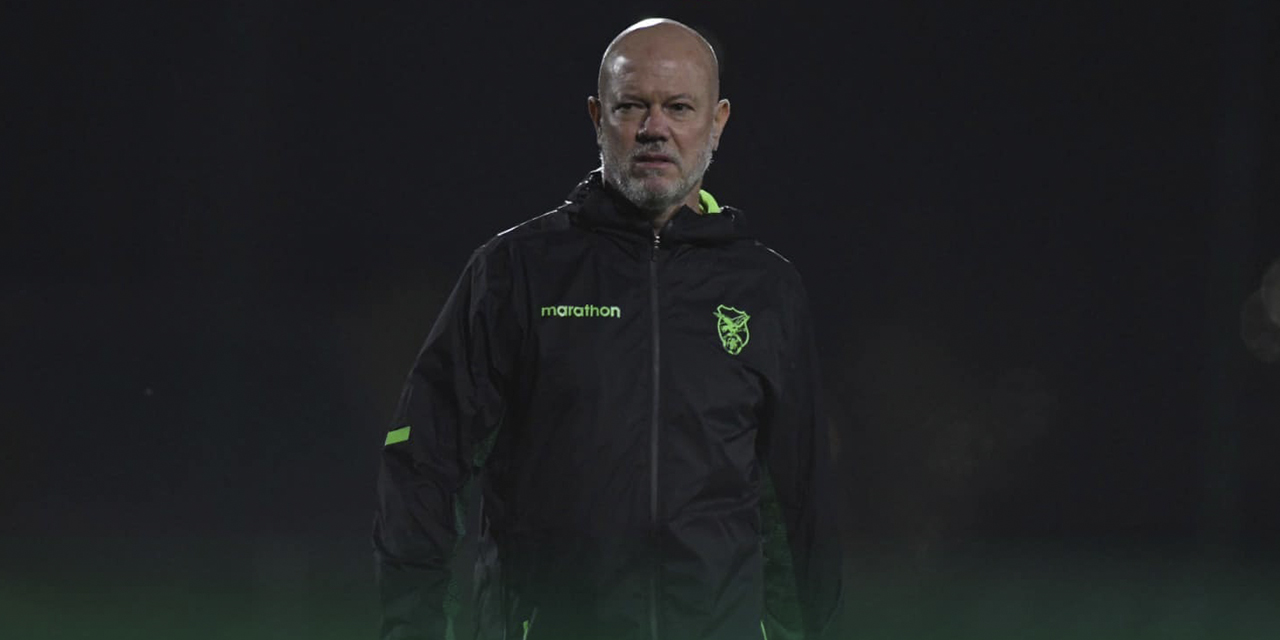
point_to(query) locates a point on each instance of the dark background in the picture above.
(1028, 232)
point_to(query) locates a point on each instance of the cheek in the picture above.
(693, 143)
(695, 137)
(614, 137)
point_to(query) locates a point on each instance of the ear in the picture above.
(718, 120)
(593, 109)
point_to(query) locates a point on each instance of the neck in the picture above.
(659, 221)
(692, 201)
(660, 218)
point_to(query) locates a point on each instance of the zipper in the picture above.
(653, 438)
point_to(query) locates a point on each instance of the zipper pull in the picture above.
(657, 244)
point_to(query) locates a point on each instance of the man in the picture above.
(627, 376)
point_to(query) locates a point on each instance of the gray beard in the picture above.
(649, 200)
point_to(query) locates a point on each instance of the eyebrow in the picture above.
(637, 97)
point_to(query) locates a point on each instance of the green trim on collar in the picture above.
(708, 203)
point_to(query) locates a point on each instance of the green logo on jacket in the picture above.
(732, 325)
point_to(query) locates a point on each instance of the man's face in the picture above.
(657, 124)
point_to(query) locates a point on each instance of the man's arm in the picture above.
(454, 399)
(795, 448)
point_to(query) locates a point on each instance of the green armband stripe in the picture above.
(399, 435)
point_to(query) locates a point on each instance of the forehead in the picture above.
(658, 73)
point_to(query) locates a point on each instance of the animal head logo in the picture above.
(732, 326)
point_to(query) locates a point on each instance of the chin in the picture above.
(665, 195)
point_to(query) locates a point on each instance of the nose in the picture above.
(654, 127)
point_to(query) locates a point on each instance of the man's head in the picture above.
(658, 116)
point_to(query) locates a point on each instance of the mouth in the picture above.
(646, 160)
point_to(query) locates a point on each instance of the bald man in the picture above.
(659, 116)
(630, 378)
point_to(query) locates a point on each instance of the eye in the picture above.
(626, 106)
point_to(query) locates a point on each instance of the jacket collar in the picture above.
(594, 204)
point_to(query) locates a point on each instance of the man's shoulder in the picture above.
(767, 259)
(772, 257)
(745, 247)
(555, 221)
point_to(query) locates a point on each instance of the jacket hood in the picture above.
(595, 204)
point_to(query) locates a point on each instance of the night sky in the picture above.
(1027, 231)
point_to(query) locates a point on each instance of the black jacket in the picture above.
(620, 395)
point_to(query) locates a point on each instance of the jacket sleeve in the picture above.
(453, 400)
(800, 512)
